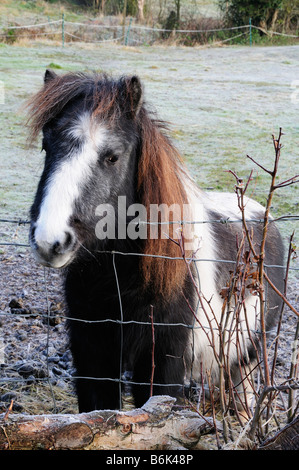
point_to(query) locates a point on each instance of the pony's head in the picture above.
(100, 143)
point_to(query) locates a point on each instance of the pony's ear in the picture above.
(49, 75)
(135, 94)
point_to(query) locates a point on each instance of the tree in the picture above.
(178, 11)
(262, 12)
(290, 15)
(140, 14)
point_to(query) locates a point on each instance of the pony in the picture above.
(143, 292)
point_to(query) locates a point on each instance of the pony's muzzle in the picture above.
(57, 253)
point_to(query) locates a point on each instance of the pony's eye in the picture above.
(112, 159)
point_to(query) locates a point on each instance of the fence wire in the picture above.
(128, 34)
(46, 316)
(284, 218)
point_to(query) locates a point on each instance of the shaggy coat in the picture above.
(102, 143)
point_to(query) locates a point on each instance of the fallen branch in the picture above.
(154, 426)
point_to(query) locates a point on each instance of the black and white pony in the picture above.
(105, 211)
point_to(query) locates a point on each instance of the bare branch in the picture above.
(288, 182)
(280, 294)
(261, 166)
(153, 350)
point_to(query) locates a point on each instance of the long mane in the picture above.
(160, 167)
(160, 181)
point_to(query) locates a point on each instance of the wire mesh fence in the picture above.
(129, 33)
(36, 368)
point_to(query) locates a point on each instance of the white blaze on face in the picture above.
(66, 182)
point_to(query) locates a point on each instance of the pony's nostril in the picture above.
(59, 248)
(68, 240)
(56, 248)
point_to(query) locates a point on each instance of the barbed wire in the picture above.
(123, 379)
(222, 220)
(283, 218)
(172, 258)
(121, 322)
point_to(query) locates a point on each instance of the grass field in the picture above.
(222, 103)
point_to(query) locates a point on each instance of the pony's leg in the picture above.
(95, 350)
(165, 370)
